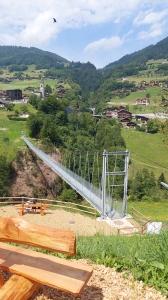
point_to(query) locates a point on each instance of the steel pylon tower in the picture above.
(112, 213)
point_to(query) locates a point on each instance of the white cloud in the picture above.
(154, 31)
(105, 44)
(30, 23)
(150, 17)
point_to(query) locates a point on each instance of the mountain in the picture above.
(158, 51)
(16, 55)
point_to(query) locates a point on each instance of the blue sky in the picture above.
(98, 31)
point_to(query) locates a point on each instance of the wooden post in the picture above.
(18, 288)
(41, 210)
(22, 210)
(1, 280)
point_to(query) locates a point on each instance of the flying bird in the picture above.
(54, 20)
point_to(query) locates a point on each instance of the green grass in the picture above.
(10, 132)
(19, 84)
(145, 256)
(156, 212)
(155, 98)
(31, 68)
(35, 83)
(146, 151)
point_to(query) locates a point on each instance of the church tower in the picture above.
(42, 87)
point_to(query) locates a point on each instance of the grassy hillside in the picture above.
(156, 211)
(10, 132)
(22, 84)
(146, 151)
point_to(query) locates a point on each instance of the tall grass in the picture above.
(145, 256)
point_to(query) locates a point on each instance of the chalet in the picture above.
(124, 121)
(143, 82)
(144, 101)
(131, 125)
(123, 113)
(152, 82)
(142, 119)
(110, 112)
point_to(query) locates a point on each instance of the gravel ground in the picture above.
(81, 225)
(105, 283)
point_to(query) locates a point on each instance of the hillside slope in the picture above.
(160, 50)
(23, 55)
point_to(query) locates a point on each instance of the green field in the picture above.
(155, 99)
(155, 211)
(35, 83)
(146, 151)
(10, 131)
(22, 84)
(31, 71)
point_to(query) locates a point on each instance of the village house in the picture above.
(152, 82)
(143, 101)
(111, 112)
(124, 121)
(123, 113)
(141, 119)
(131, 125)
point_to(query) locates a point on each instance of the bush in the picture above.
(69, 195)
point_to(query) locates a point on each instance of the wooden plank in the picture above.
(19, 231)
(18, 288)
(1, 280)
(56, 272)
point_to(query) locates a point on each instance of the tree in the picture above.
(48, 89)
(148, 95)
(9, 106)
(34, 124)
(161, 179)
(143, 184)
(34, 100)
(153, 126)
(51, 105)
(5, 175)
(24, 108)
(51, 131)
(69, 195)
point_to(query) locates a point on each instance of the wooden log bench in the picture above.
(31, 207)
(30, 268)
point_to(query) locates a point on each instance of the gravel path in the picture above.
(105, 283)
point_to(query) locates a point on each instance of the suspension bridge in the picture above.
(98, 197)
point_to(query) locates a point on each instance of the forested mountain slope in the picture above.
(160, 50)
(23, 55)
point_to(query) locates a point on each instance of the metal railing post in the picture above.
(104, 184)
(125, 183)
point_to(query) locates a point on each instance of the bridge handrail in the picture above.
(141, 218)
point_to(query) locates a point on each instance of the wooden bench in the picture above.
(27, 207)
(30, 268)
